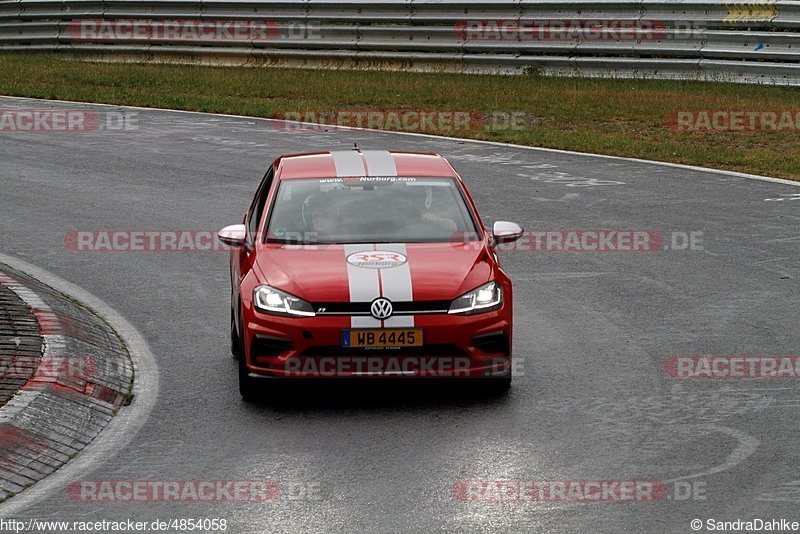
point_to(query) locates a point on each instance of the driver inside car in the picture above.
(321, 215)
(420, 216)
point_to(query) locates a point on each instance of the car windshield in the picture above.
(369, 210)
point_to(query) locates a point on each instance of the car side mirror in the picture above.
(506, 232)
(234, 235)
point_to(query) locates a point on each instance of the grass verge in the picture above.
(616, 117)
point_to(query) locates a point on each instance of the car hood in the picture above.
(362, 273)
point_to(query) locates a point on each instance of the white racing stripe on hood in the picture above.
(348, 163)
(364, 286)
(380, 163)
(396, 285)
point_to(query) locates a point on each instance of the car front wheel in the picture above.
(247, 387)
(236, 339)
(500, 383)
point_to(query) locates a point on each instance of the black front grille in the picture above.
(399, 308)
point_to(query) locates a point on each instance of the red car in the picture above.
(368, 263)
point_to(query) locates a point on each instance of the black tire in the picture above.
(247, 388)
(236, 340)
(499, 384)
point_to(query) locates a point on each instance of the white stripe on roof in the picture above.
(348, 163)
(380, 163)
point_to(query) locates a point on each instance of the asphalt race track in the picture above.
(591, 399)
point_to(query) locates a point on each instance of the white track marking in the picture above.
(746, 447)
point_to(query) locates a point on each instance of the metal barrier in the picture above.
(694, 39)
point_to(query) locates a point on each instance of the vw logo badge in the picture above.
(381, 308)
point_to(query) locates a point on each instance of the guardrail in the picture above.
(731, 41)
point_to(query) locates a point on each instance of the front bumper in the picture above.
(455, 346)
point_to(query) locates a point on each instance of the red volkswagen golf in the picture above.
(360, 264)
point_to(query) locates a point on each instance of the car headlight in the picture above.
(270, 300)
(481, 299)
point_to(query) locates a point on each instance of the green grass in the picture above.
(617, 117)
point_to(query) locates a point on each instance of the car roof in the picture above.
(348, 163)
